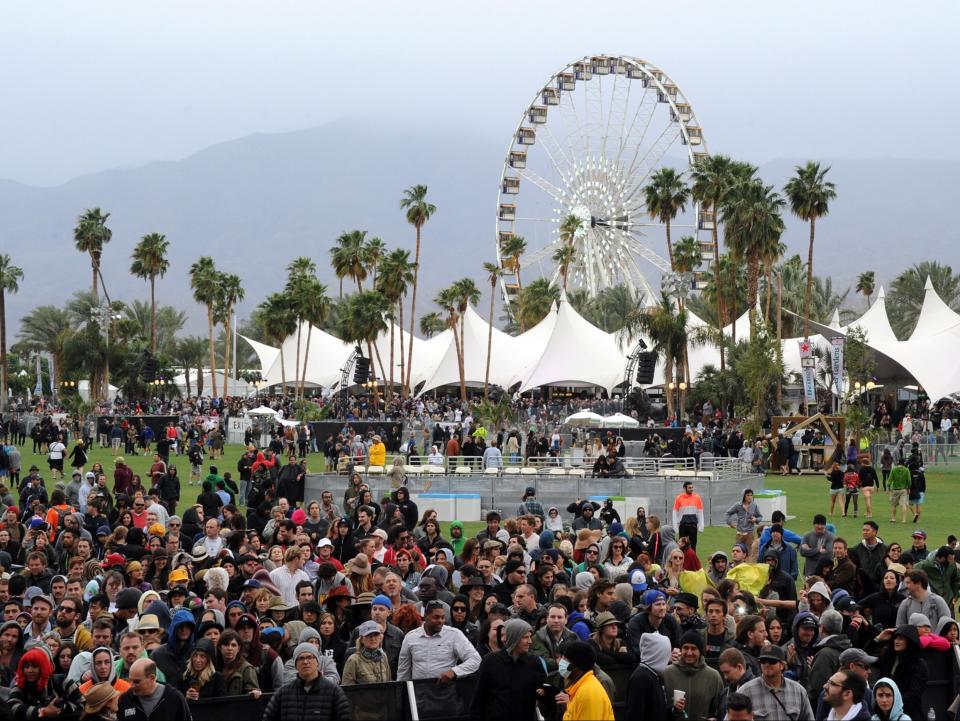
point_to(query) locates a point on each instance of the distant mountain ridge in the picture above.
(256, 202)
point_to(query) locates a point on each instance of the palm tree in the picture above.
(467, 294)
(394, 279)
(351, 254)
(513, 247)
(307, 298)
(231, 293)
(536, 300)
(687, 256)
(449, 301)
(278, 320)
(419, 211)
(364, 323)
(89, 236)
(666, 196)
(563, 257)
(568, 229)
(10, 277)
(149, 261)
(866, 283)
(431, 324)
(809, 195)
(205, 283)
(47, 328)
(189, 352)
(712, 178)
(666, 327)
(908, 290)
(373, 251)
(493, 276)
(752, 228)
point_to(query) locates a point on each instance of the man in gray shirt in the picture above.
(148, 700)
(816, 546)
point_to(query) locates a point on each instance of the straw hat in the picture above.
(359, 564)
(98, 696)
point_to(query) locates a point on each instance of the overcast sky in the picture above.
(99, 84)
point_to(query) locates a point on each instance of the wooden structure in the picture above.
(819, 456)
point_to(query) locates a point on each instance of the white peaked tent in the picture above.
(529, 346)
(935, 315)
(401, 339)
(577, 353)
(235, 386)
(427, 356)
(266, 354)
(326, 357)
(475, 330)
(875, 324)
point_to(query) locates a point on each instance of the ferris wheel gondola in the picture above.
(586, 147)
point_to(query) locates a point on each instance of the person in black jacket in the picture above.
(168, 703)
(510, 681)
(408, 508)
(170, 489)
(902, 660)
(309, 695)
(646, 697)
(653, 619)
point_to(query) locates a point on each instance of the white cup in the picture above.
(679, 695)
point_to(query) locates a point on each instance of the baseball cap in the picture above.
(531, 491)
(810, 621)
(856, 655)
(773, 653)
(324, 542)
(920, 533)
(638, 579)
(846, 604)
(368, 628)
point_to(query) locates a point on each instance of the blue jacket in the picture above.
(788, 537)
(788, 558)
(171, 658)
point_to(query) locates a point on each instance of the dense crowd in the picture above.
(117, 601)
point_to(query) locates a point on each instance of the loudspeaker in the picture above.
(646, 365)
(148, 369)
(361, 370)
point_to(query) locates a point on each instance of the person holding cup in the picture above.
(691, 685)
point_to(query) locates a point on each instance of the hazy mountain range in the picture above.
(256, 202)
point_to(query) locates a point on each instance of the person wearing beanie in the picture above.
(653, 618)
(645, 695)
(833, 642)
(309, 695)
(700, 683)
(328, 667)
(584, 695)
(510, 681)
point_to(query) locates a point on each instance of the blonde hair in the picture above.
(206, 674)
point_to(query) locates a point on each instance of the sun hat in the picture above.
(148, 622)
(359, 564)
(98, 696)
(585, 538)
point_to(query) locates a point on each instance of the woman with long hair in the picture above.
(431, 536)
(671, 573)
(835, 477)
(398, 473)
(489, 635)
(617, 562)
(460, 617)
(330, 642)
(429, 514)
(881, 607)
(201, 680)
(239, 677)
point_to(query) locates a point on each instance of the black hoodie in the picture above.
(908, 668)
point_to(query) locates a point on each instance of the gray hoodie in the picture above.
(655, 651)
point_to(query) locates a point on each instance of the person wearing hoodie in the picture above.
(833, 642)
(902, 661)
(818, 599)
(887, 702)
(645, 695)
(201, 680)
(668, 543)
(700, 683)
(585, 697)
(171, 658)
(801, 647)
(510, 681)
(328, 667)
(102, 669)
(884, 603)
(457, 539)
(11, 649)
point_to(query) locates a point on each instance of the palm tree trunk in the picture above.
(376, 352)
(780, 332)
(493, 295)
(516, 265)
(667, 376)
(413, 308)
(460, 368)
(341, 287)
(809, 291)
(283, 373)
(390, 386)
(3, 351)
(153, 315)
(95, 266)
(213, 359)
(200, 377)
(733, 293)
(716, 288)
(302, 380)
(753, 281)
(669, 245)
(226, 350)
(186, 378)
(403, 386)
(769, 277)
(296, 370)
(376, 394)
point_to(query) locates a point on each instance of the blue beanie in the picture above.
(652, 596)
(616, 528)
(382, 600)
(546, 538)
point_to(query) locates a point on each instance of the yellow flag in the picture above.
(750, 576)
(694, 582)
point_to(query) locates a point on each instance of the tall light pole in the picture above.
(103, 316)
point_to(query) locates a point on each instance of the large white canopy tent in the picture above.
(564, 349)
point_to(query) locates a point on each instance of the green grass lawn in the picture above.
(806, 496)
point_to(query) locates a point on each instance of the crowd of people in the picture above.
(116, 606)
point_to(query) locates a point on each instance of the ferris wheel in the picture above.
(586, 147)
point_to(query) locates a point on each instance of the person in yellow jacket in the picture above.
(585, 697)
(378, 452)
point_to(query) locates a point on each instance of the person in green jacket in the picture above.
(457, 540)
(942, 574)
(899, 490)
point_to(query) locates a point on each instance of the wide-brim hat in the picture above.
(98, 696)
(586, 538)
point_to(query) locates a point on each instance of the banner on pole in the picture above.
(836, 362)
(807, 366)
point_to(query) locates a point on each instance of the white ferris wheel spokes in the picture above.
(586, 147)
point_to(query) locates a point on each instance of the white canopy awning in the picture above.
(619, 420)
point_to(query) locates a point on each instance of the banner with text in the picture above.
(836, 362)
(807, 366)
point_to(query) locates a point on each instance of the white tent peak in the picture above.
(935, 315)
(875, 323)
(928, 285)
(835, 319)
(880, 294)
